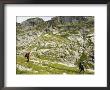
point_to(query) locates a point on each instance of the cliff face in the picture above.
(58, 44)
(32, 22)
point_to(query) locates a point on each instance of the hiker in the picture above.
(27, 56)
(92, 58)
(81, 67)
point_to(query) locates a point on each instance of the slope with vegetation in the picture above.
(57, 45)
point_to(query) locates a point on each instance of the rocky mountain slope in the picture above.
(56, 46)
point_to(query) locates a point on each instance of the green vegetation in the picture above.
(57, 46)
(49, 68)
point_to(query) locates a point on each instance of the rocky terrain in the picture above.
(56, 46)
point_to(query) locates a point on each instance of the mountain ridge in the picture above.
(55, 42)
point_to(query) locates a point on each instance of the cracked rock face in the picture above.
(56, 44)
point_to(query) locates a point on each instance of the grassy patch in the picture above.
(50, 68)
